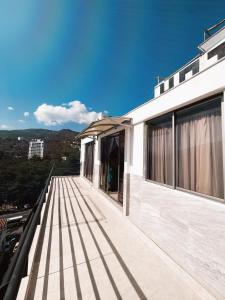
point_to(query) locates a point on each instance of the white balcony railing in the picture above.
(203, 61)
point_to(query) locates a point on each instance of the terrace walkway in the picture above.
(88, 250)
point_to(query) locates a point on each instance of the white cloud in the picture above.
(21, 121)
(26, 114)
(3, 126)
(74, 111)
(10, 108)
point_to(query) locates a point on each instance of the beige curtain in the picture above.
(199, 150)
(160, 152)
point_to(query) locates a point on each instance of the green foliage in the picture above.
(21, 180)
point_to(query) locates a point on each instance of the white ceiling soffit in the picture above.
(213, 40)
(103, 125)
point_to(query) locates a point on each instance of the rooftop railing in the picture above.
(201, 62)
(18, 267)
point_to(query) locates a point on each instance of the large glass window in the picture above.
(89, 160)
(159, 150)
(199, 149)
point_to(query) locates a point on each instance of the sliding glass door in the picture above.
(89, 160)
(112, 165)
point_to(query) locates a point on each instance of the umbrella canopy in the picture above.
(103, 125)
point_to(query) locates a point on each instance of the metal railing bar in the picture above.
(14, 275)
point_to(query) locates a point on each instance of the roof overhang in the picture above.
(213, 40)
(100, 126)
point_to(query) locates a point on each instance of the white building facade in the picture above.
(36, 149)
(165, 169)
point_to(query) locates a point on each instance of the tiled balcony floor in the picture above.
(88, 250)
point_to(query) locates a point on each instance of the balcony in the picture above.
(212, 51)
(84, 249)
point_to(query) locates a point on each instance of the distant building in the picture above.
(36, 148)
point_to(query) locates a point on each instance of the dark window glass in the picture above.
(161, 88)
(199, 149)
(219, 50)
(194, 67)
(171, 82)
(159, 150)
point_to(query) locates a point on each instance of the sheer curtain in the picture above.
(108, 144)
(160, 150)
(199, 149)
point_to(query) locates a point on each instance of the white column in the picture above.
(82, 154)
(126, 185)
(223, 137)
(174, 150)
(144, 143)
(96, 163)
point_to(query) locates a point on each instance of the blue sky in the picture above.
(69, 60)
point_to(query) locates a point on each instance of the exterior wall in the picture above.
(186, 93)
(189, 228)
(137, 153)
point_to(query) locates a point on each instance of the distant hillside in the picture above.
(39, 133)
(56, 143)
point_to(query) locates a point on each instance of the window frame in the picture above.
(217, 97)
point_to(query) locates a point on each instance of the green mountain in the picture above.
(44, 134)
